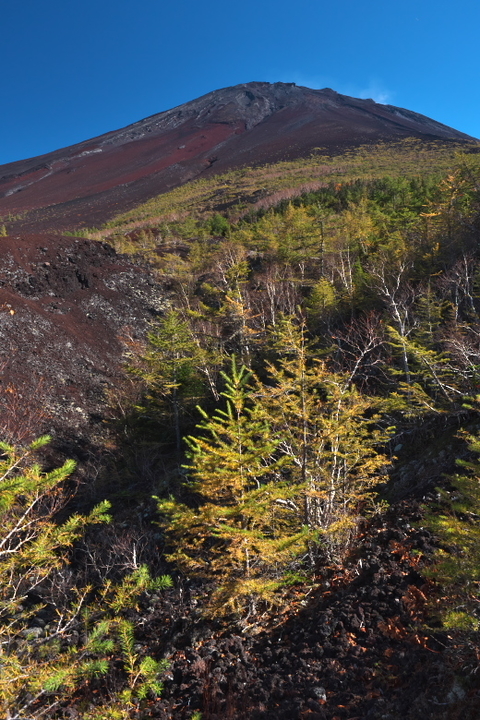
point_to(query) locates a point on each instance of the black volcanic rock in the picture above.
(65, 305)
(253, 123)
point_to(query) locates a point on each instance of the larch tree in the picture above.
(32, 552)
(171, 370)
(245, 527)
(44, 663)
(330, 434)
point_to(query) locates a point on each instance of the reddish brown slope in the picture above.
(254, 123)
(65, 304)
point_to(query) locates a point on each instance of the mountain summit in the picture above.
(252, 123)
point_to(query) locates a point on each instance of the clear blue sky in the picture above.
(73, 69)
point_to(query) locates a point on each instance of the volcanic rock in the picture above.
(65, 305)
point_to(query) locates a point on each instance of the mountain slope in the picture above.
(65, 305)
(356, 304)
(253, 123)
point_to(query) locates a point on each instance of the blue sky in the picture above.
(73, 69)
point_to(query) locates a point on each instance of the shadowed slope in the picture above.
(253, 123)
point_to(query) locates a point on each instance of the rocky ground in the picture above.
(365, 644)
(68, 308)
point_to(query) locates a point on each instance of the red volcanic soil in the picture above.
(65, 304)
(255, 123)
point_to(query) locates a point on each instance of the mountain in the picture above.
(250, 124)
(320, 515)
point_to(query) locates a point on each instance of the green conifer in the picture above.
(246, 525)
(330, 434)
